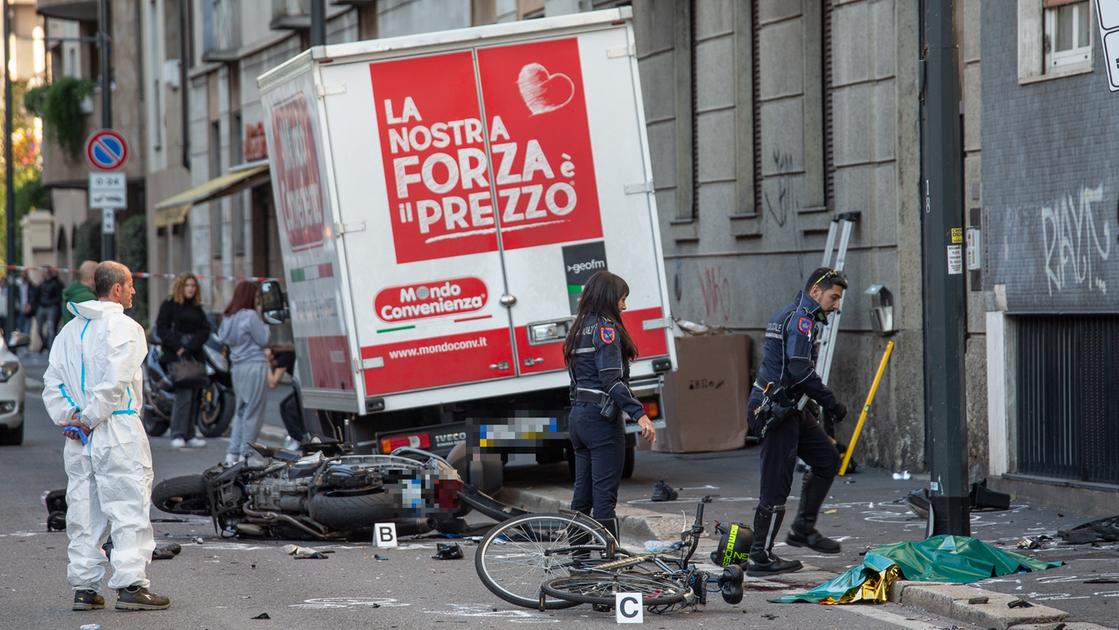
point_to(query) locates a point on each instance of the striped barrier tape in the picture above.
(141, 274)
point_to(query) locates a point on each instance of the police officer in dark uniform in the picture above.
(789, 427)
(598, 350)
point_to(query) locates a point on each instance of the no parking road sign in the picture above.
(106, 150)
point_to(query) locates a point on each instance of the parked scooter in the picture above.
(218, 401)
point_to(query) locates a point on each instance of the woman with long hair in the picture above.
(183, 329)
(598, 350)
(246, 334)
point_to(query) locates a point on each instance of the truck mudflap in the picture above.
(488, 505)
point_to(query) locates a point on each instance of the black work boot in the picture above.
(803, 533)
(88, 599)
(611, 525)
(137, 597)
(763, 562)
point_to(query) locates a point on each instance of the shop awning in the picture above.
(174, 210)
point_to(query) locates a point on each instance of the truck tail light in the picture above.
(652, 409)
(412, 440)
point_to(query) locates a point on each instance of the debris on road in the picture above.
(903, 475)
(166, 550)
(1019, 603)
(378, 556)
(447, 551)
(262, 616)
(198, 540)
(306, 553)
(1097, 531)
(663, 492)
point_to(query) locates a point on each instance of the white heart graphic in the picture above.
(543, 92)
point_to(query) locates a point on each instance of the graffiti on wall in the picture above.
(1077, 242)
(715, 287)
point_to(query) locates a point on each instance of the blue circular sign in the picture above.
(106, 150)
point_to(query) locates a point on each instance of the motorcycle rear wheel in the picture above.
(218, 405)
(181, 495)
(154, 424)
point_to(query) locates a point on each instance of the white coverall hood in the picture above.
(95, 371)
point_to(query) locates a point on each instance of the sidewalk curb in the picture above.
(633, 522)
(975, 605)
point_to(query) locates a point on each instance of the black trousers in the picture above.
(799, 435)
(600, 453)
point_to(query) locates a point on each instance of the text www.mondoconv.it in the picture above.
(437, 348)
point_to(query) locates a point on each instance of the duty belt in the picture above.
(590, 396)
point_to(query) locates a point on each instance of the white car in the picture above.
(13, 388)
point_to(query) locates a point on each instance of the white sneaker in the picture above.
(291, 444)
(196, 443)
(231, 459)
(178, 443)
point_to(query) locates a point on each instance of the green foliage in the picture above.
(35, 100)
(132, 250)
(61, 109)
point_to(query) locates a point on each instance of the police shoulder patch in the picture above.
(804, 325)
(607, 334)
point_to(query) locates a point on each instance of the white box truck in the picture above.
(441, 199)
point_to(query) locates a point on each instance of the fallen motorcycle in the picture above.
(321, 493)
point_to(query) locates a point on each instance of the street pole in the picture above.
(942, 273)
(108, 245)
(9, 174)
(318, 22)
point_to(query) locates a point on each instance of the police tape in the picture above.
(141, 274)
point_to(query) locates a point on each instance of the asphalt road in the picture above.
(221, 583)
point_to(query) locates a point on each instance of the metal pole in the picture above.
(318, 22)
(9, 175)
(942, 273)
(108, 245)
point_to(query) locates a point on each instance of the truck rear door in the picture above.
(569, 173)
(421, 244)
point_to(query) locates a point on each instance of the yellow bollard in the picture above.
(866, 407)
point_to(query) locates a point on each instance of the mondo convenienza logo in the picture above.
(431, 299)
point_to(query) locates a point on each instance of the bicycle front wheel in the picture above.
(600, 588)
(517, 556)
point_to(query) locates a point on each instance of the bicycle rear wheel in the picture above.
(517, 556)
(600, 588)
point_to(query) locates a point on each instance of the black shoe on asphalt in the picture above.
(663, 492)
(86, 599)
(140, 598)
(767, 563)
(814, 540)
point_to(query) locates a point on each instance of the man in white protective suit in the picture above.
(92, 388)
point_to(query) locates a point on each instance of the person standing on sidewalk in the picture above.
(49, 308)
(93, 387)
(598, 351)
(246, 334)
(787, 373)
(183, 330)
(80, 290)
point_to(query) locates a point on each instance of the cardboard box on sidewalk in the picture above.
(705, 398)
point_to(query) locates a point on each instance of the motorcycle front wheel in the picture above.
(154, 424)
(218, 405)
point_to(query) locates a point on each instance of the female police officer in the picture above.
(598, 350)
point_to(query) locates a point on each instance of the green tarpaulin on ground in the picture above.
(956, 559)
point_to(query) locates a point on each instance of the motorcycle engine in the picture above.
(279, 495)
(349, 477)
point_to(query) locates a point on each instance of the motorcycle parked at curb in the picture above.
(323, 493)
(218, 401)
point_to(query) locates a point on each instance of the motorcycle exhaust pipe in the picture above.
(414, 526)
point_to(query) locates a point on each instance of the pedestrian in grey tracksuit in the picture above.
(246, 334)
